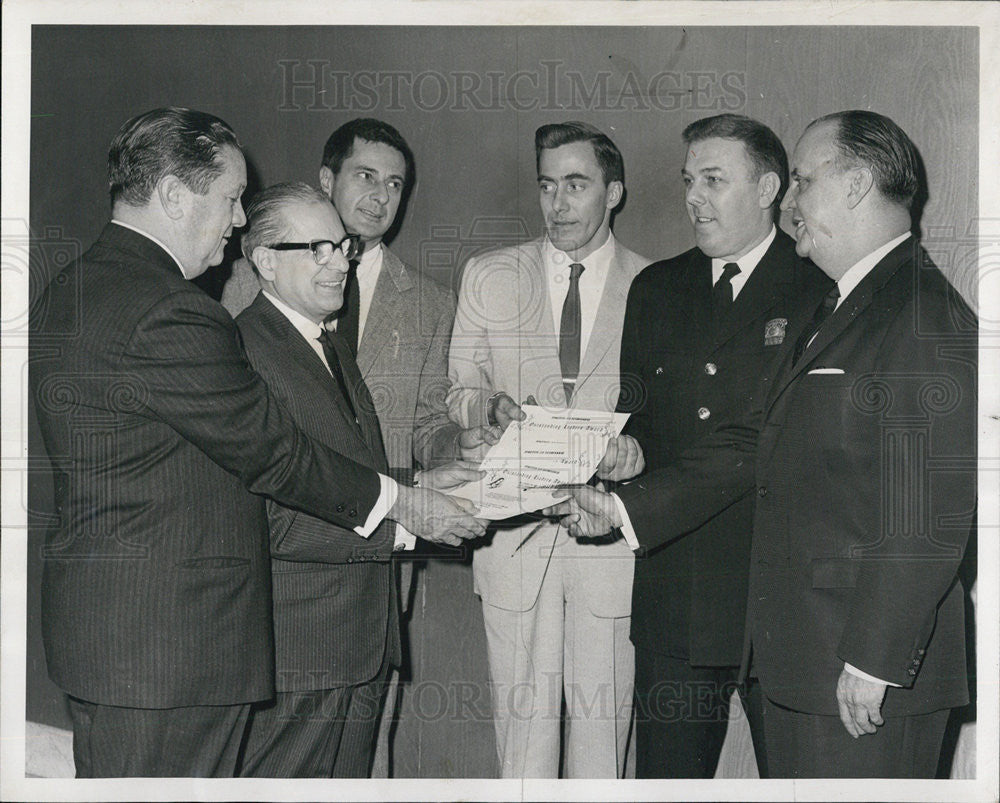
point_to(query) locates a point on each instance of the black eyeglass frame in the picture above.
(350, 246)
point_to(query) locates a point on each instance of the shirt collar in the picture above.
(370, 261)
(597, 262)
(748, 261)
(864, 266)
(305, 327)
(149, 236)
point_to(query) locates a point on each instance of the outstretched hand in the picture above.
(588, 513)
(450, 475)
(623, 459)
(436, 517)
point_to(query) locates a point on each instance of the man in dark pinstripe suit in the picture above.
(335, 610)
(156, 612)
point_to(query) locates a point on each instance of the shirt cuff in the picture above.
(853, 670)
(628, 531)
(404, 540)
(387, 493)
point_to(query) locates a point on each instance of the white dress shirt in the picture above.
(592, 281)
(747, 263)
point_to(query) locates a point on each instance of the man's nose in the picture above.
(239, 216)
(693, 194)
(559, 201)
(380, 192)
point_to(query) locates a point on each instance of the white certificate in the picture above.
(550, 448)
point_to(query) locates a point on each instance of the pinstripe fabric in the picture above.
(155, 590)
(333, 606)
(114, 742)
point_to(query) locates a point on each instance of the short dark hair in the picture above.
(872, 139)
(265, 224)
(169, 141)
(766, 153)
(340, 145)
(555, 135)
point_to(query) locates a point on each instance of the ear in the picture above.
(767, 189)
(174, 196)
(614, 194)
(326, 180)
(263, 259)
(861, 183)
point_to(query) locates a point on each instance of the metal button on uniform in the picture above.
(711, 368)
(703, 413)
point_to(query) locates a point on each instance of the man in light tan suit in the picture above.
(542, 321)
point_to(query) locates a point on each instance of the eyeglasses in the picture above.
(323, 250)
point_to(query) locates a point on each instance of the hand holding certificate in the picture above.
(536, 456)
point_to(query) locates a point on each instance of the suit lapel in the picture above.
(539, 367)
(608, 322)
(389, 303)
(367, 419)
(768, 284)
(295, 346)
(850, 308)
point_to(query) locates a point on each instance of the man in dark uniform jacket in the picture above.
(156, 610)
(700, 331)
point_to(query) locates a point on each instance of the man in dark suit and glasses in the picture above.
(156, 612)
(335, 610)
(864, 473)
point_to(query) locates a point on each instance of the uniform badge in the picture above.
(774, 331)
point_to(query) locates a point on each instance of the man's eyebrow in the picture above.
(567, 177)
(375, 170)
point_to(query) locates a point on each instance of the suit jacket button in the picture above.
(350, 560)
(704, 413)
(340, 508)
(659, 370)
(711, 368)
(911, 671)
(352, 513)
(762, 491)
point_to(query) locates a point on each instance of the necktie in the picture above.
(329, 340)
(569, 332)
(349, 318)
(722, 292)
(824, 311)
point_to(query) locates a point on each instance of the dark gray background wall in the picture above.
(468, 101)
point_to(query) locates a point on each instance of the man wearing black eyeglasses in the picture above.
(395, 319)
(335, 609)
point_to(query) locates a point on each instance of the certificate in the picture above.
(534, 457)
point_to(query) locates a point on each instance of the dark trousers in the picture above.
(681, 716)
(191, 742)
(814, 746)
(329, 733)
